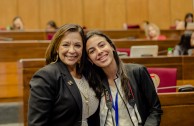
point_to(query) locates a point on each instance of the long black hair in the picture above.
(96, 74)
(185, 42)
(187, 16)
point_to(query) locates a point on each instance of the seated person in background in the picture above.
(188, 19)
(17, 23)
(184, 44)
(152, 32)
(51, 26)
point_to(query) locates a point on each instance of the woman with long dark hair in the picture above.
(129, 96)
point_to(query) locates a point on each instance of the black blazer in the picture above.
(55, 99)
(145, 96)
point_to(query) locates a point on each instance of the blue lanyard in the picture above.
(115, 107)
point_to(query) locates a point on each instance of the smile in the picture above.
(103, 58)
(71, 57)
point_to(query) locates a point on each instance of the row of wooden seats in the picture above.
(113, 34)
(178, 107)
(25, 35)
(13, 51)
(162, 44)
(184, 65)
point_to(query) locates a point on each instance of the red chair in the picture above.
(168, 77)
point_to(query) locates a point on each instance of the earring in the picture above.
(79, 64)
(56, 59)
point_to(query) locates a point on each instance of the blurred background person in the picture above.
(51, 26)
(17, 23)
(152, 32)
(183, 24)
(184, 44)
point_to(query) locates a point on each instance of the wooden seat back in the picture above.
(178, 107)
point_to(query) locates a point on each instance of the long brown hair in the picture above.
(51, 52)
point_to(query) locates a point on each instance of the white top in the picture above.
(124, 117)
(89, 100)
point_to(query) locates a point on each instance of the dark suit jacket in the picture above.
(145, 96)
(55, 99)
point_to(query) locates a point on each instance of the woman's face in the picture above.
(18, 24)
(152, 32)
(50, 28)
(189, 19)
(99, 51)
(70, 48)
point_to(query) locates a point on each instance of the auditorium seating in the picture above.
(168, 78)
(11, 52)
(163, 44)
(15, 50)
(113, 34)
(178, 107)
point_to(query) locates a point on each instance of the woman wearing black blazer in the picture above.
(129, 97)
(59, 93)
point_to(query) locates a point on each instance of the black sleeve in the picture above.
(40, 99)
(152, 98)
(94, 120)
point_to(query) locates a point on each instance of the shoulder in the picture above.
(133, 67)
(49, 70)
(161, 37)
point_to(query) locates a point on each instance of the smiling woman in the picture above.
(129, 95)
(56, 95)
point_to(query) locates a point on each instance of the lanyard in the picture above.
(116, 108)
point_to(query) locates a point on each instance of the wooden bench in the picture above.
(184, 65)
(163, 44)
(14, 50)
(178, 107)
(113, 34)
(11, 52)
(25, 35)
(137, 33)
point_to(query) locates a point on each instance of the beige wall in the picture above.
(95, 14)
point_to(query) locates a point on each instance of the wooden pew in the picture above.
(25, 35)
(137, 33)
(184, 65)
(27, 67)
(178, 109)
(15, 50)
(113, 34)
(173, 104)
(11, 52)
(163, 44)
